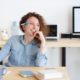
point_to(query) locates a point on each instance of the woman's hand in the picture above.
(39, 35)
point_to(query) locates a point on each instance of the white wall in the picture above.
(54, 11)
(73, 63)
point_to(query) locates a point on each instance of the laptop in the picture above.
(53, 33)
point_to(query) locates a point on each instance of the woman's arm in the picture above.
(41, 59)
(5, 50)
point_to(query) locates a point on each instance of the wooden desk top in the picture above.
(74, 42)
(12, 73)
(64, 43)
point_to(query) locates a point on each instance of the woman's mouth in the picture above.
(34, 33)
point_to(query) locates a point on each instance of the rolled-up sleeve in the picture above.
(41, 59)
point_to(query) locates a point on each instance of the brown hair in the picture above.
(43, 26)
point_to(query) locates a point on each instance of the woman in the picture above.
(27, 49)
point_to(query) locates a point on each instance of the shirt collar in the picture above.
(22, 40)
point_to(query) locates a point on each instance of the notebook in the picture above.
(25, 73)
(48, 74)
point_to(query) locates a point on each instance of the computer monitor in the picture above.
(76, 20)
(53, 33)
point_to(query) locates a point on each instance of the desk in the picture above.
(63, 43)
(13, 73)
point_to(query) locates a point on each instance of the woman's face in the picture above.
(31, 26)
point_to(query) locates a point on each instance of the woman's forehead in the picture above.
(32, 19)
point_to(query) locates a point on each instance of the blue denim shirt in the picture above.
(21, 54)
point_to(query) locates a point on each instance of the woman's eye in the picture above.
(31, 23)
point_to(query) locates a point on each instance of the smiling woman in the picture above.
(28, 49)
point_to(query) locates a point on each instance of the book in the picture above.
(48, 74)
(25, 73)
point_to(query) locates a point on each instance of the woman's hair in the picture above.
(43, 26)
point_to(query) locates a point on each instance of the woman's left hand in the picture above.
(40, 36)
